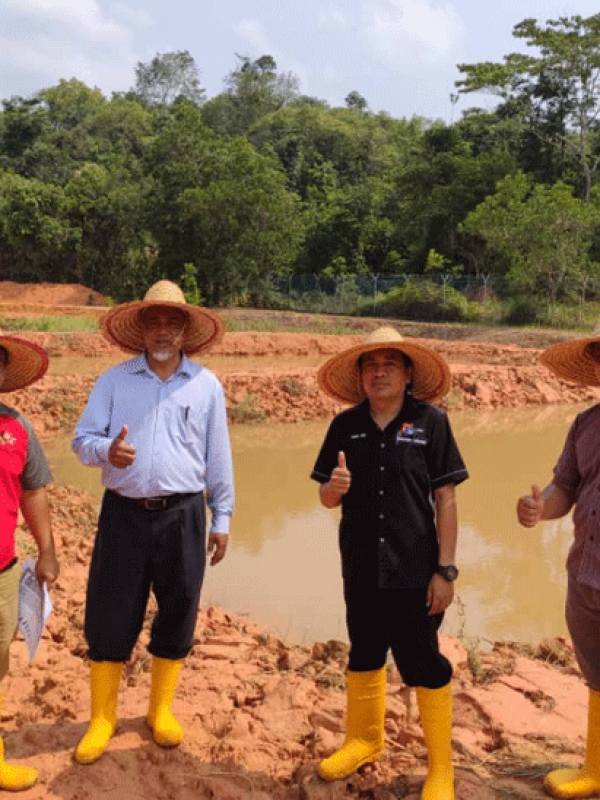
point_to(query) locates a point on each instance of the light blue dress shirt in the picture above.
(178, 428)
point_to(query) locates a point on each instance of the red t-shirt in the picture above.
(22, 466)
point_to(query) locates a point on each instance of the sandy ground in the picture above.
(259, 713)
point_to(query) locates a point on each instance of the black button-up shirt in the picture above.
(388, 536)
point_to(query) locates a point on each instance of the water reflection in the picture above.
(283, 563)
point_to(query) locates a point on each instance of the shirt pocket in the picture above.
(187, 424)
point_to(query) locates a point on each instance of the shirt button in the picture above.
(381, 516)
(382, 468)
(383, 444)
(381, 491)
(382, 540)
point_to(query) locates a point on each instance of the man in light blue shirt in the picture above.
(157, 427)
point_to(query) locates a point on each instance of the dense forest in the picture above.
(260, 181)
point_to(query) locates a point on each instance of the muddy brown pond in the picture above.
(282, 568)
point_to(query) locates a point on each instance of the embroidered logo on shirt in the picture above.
(358, 435)
(6, 437)
(409, 433)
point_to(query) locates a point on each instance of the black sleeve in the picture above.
(444, 460)
(328, 456)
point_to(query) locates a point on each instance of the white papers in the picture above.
(34, 607)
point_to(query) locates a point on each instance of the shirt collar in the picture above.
(406, 413)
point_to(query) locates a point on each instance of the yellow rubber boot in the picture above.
(584, 782)
(364, 726)
(167, 731)
(104, 679)
(435, 709)
(12, 777)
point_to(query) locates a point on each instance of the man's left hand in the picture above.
(217, 545)
(440, 593)
(46, 568)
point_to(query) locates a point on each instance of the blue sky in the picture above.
(401, 55)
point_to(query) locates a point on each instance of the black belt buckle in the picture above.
(155, 503)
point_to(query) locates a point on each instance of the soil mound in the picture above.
(49, 294)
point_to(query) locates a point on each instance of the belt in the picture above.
(156, 503)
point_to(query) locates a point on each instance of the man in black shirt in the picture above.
(392, 464)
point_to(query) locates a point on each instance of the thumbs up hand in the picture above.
(530, 507)
(340, 479)
(121, 454)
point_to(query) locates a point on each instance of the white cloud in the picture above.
(83, 17)
(137, 17)
(253, 32)
(42, 41)
(332, 19)
(411, 32)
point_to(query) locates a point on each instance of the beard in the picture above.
(163, 355)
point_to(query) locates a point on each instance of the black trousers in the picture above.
(136, 551)
(382, 619)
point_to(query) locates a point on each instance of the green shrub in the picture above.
(526, 310)
(246, 410)
(425, 302)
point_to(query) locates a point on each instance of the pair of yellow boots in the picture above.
(105, 677)
(364, 740)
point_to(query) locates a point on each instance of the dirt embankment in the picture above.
(259, 713)
(272, 376)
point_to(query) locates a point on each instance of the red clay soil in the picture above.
(259, 713)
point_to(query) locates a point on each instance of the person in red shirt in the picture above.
(24, 474)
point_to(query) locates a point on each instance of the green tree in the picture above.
(356, 101)
(221, 206)
(23, 122)
(70, 102)
(168, 77)
(34, 233)
(544, 233)
(106, 212)
(556, 92)
(255, 89)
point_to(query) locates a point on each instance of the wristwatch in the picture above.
(449, 572)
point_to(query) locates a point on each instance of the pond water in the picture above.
(282, 567)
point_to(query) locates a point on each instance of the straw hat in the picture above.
(339, 377)
(123, 326)
(27, 363)
(572, 360)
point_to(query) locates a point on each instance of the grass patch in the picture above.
(49, 324)
(246, 410)
(285, 324)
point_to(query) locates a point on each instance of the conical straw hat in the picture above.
(27, 363)
(122, 326)
(573, 360)
(339, 377)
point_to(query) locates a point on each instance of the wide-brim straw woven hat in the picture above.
(572, 360)
(27, 363)
(123, 325)
(339, 377)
